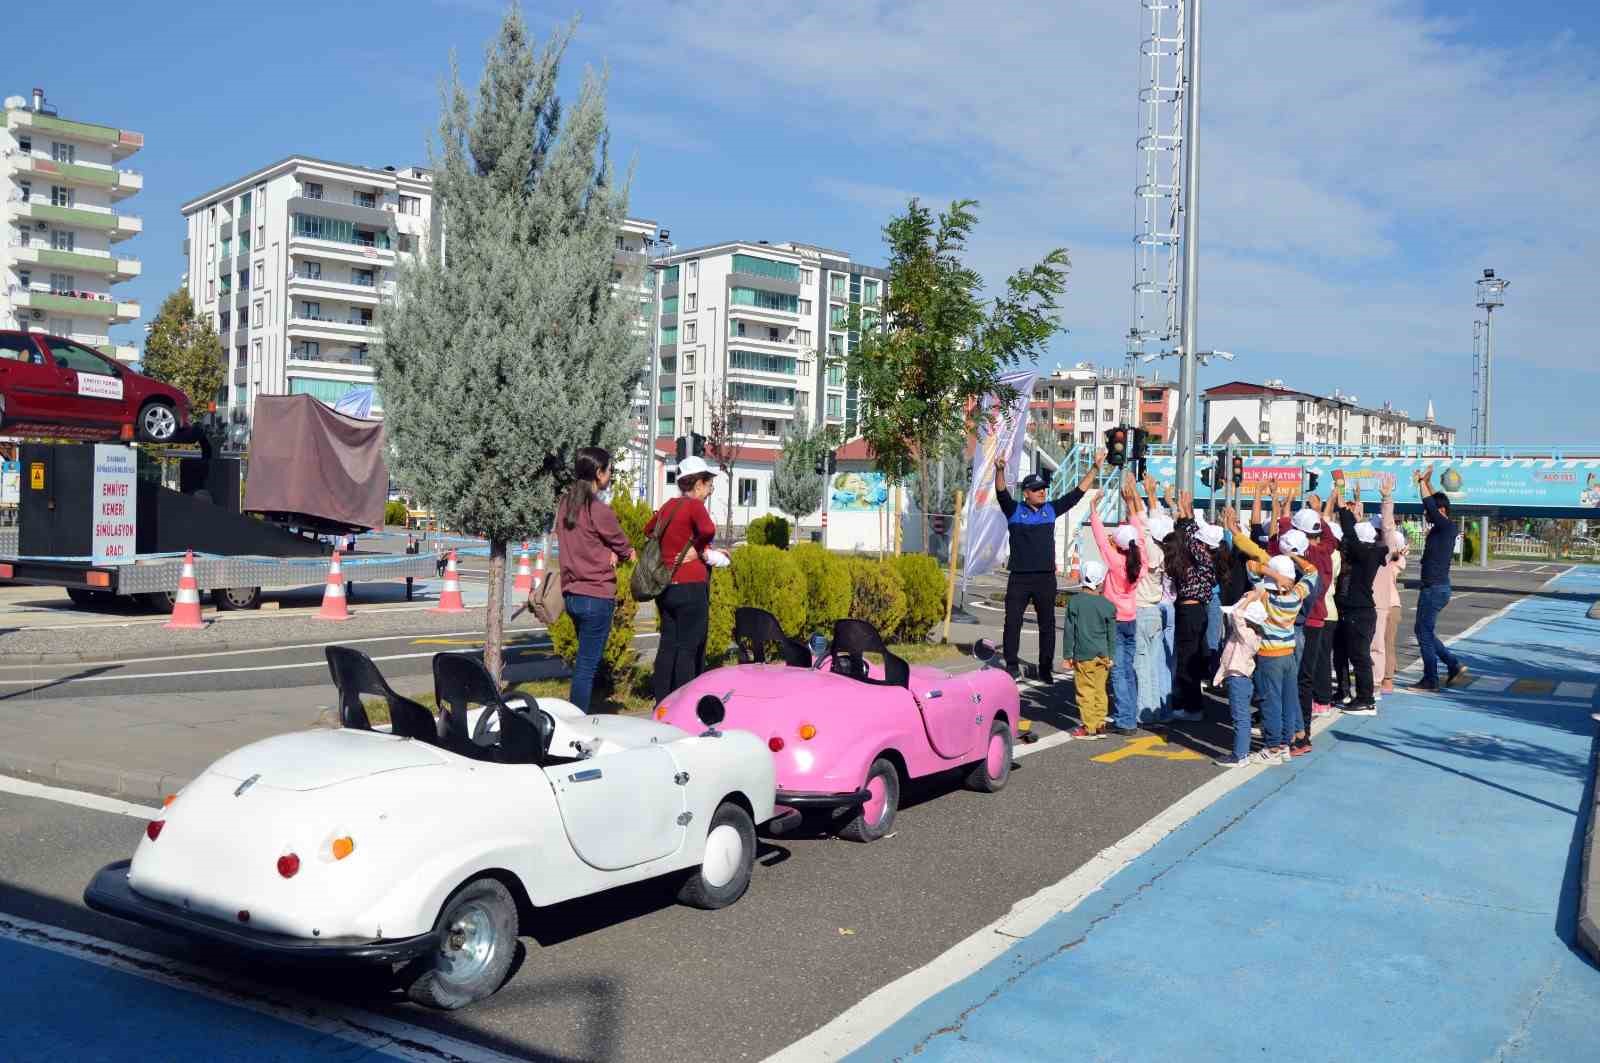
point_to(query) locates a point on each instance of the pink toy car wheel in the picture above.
(876, 817)
(990, 774)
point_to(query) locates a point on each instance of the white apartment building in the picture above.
(61, 225)
(763, 321)
(1077, 405)
(1272, 414)
(291, 263)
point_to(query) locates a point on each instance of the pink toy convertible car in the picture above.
(845, 733)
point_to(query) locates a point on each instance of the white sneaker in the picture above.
(1263, 757)
(1229, 762)
(1255, 732)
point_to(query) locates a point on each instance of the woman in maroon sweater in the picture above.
(684, 607)
(591, 545)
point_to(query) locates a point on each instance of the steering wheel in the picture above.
(848, 665)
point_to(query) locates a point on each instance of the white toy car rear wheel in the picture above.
(477, 932)
(730, 857)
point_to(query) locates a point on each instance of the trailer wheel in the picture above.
(158, 601)
(227, 598)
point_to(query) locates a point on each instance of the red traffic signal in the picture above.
(1238, 471)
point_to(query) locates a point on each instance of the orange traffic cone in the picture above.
(538, 572)
(450, 597)
(186, 607)
(334, 606)
(523, 586)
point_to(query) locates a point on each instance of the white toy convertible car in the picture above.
(420, 845)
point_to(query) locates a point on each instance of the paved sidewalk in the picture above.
(1408, 891)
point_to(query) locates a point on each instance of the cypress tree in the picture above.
(504, 350)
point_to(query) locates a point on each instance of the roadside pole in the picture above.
(955, 552)
(1483, 541)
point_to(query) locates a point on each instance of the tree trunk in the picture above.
(494, 628)
(729, 531)
(922, 492)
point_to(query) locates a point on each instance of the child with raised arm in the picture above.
(1125, 565)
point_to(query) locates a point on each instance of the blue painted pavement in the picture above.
(1406, 892)
(58, 1007)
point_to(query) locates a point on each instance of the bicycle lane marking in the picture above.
(88, 998)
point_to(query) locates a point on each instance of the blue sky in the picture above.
(1362, 160)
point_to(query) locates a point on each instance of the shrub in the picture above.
(632, 513)
(878, 596)
(771, 530)
(924, 585)
(766, 577)
(394, 513)
(719, 631)
(619, 663)
(828, 588)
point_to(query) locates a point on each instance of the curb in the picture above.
(125, 782)
(1589, 884)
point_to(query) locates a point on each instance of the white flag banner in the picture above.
(984, 542)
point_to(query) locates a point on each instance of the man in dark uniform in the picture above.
(1031, 526)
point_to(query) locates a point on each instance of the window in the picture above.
(63, 282)
(16, 348)
(805, 307)
(311, 271)
(669, 275)
(669, 335)
(694, 270)
(774, 335)
(765, 300)
(669, 396)
(835, 405)
(869, 292)
(79, 359)
(688, 395)
(256, 316)
(62, 152)
(769, 427)
(1108, 392)
(364, 278)
(311, 190)
(688, 364)
(1086, 417)
(669, 305)
(735, 327)
(63, 239)
(25, 145)
(747, 491)
(1086, 394)
(1153, 418)
(361, 315)
(1153, 394)
(766, 267)
(61, 196)
(763, 393)
(664, 426)
(244, 317)
(836, 285)
(211, 289)
(244, 206)
(365, 199)
(227, 248)
(316, 227)
(755, 361)
(256, 353)
(405, 242)
(310, 310)
(835, 345)
(690, 330)
(690, 301)
(838, 317)
(413, 205)
(244, 279)
(1108, 416)
(308, 349)
(836, 376)
(808, 276)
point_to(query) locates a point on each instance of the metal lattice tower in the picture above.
(1158, 195)
(1477, 382)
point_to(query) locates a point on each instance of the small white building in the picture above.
(62, 226)
(1272, 414)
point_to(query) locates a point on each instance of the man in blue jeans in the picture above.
(1435, 594)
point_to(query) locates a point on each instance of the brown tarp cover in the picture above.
(307, 458)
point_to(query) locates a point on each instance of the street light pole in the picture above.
(1491, 296)
(1188, 375)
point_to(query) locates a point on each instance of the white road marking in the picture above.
(889, 1004)
(1575, 690)
(1047, 742)
(266, 649)
(80, 798)
(375, 1033)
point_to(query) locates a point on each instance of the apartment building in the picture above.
(768, 325)
(62, 225)
(1272, 414)
(1077, 405)
(291, 263)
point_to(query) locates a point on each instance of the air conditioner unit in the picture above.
(41, 226)
(38, 315)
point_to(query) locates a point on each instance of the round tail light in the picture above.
(152, 830)
(661, 712)
(775, 743)
(807, 732)
(343, 847)
(288, 865)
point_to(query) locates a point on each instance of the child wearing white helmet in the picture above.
(1090, 629)
(1126, 565)
(1247, 621)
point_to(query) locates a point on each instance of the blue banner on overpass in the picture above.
(1541, 486)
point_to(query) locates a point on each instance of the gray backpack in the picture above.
(651, 576)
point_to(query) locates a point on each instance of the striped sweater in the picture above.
(1277, 639)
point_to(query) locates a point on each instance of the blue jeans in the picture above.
(1124, 683)
(1430, 603)
(1279, 682)
(1214, 623)
(592, 618)
(1169, 634)
(1151, 671)
(1240, 690)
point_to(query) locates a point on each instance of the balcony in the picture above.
(78, 304)
(101, 263)
(321, 327)
(348, 291)
(102, 219)
(119, 183)
(241, 374)
(122, 142)
(344, 210)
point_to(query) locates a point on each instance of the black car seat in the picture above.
(460, 682)
(755, 629)
(852, 640)
(354, 674)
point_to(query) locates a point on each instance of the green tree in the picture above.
(504, 351)
(184, 350)
(936, 346)
(796, 487)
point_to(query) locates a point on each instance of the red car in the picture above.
(52, 386)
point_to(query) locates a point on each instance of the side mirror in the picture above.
(983, 650)
(819, 646)
(710, 711)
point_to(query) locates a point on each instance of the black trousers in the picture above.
(1189, 656)
(1039, 590)
(685, 612)
(1356, 628)
(1339, 670)
(1313, 661)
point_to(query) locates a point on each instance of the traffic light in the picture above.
(827, 463)
(1311, 481)
(1207, 474)
(1141, 443)
(1117, 446)
(694, 443)
(1238, 471)
(1216, 476)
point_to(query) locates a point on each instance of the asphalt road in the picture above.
(630, 975)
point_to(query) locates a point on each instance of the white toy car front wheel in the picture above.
(729, 860)
(477, 935)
